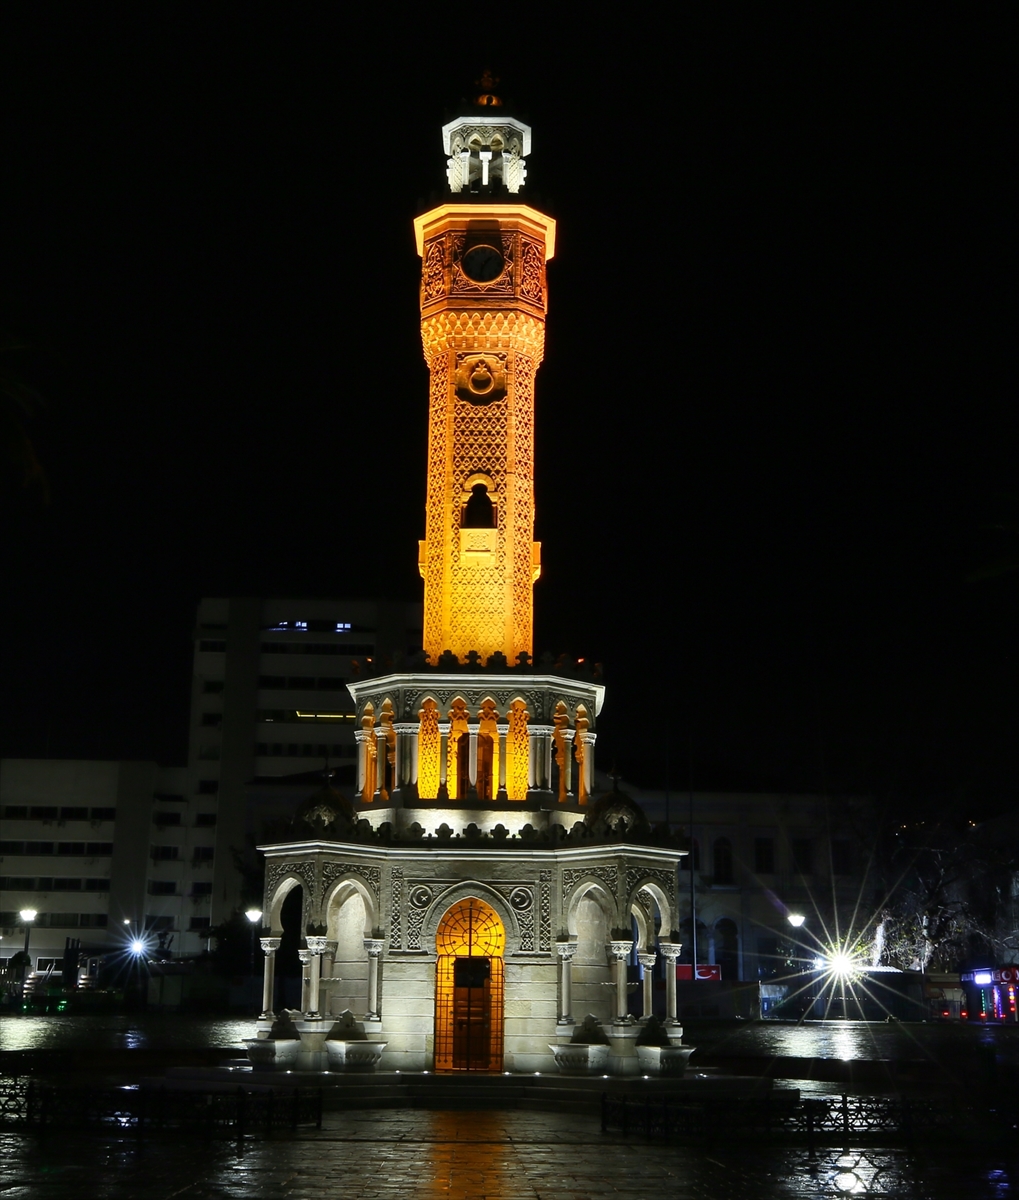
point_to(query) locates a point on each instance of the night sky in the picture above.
(776, 433)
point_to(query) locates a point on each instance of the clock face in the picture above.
(483, 264)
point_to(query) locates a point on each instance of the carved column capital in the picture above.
(270, 944)
(647, 961)
(374, 946)
(305, 956)
(566, 950)
(317, 945)
(671, 950)
(620, 950)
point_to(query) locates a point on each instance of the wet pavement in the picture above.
(476, 1156)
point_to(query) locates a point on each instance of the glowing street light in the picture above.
(27, 916)
(254, 915)
(796, 920)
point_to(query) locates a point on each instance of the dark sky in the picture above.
(776, 421)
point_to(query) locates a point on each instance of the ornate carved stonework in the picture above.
(372, 876)
(609, 875)
(396, 912)
(666, 880)
(545, 911)
(277, 871)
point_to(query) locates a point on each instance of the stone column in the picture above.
(381, 750)
(374, 947)
(472, 757)
(539, 758)
(269, 946)
(501, 795)
(361, 737)
(647, 961)
(316, 948)
(566, 951)
(405, 783)
(568, 765)
(670, 952)
(589, 741)
(306, 958)
(620, 952)
(443, 759)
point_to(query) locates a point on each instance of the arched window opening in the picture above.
(723, 860)
(488, 752)
(470, 943)
(457, 774)
(288, 971)
(479, 511)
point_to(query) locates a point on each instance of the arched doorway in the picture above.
(470, 943)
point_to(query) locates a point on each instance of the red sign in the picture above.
(1007, 975)
(704, 971)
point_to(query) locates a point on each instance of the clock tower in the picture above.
(483, 304)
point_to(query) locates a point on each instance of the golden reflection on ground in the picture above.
(471, 1156)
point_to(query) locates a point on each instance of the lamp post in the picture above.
(254, 916)
(27, 916)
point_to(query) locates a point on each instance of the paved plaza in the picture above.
(471, 1156)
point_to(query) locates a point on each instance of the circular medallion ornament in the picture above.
(521, 899)
(483, 264)
(421, 896)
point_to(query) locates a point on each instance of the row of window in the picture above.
(46, 883)
(79, 849)
(154, 924)
(309, 750)
(801, 858)
(318, 625)
(58, 920)
(319, 683)
(200, 854)
(350, 649)
(294, 716)
(51, 812)
(203, 820)
(168, 887)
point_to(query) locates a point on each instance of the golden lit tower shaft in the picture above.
(483, 303)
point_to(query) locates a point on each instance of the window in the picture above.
(199, 923)
(12, 847)
(104, 814)
(162, 887)
(205, 820)
(203, 854)
(841, 857)
(211, 646)
(272, 681)
(201, 889)
(74, 814)
(93, 920)
(331, 683)
(14, 812)
(212, 720)
(208, 787)
(301, 681)
(165, 853)
(71, 848)
(158, 924)
(99, 849)
(63, 921)
(17, 883)
(803, 855)
(38, 848)
(97, 885)
(167, 818)
(764, 855)
(212, 687)
(44, 812)
(723, 860)
(67, 885)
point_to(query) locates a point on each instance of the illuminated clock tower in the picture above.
(483, 303)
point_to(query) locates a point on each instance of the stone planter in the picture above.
(270, 1054)
(578, 1058)
(353, 1055)
(664, 1060)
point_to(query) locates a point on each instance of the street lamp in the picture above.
(254, 915)
(27, 916)
(795, 919)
